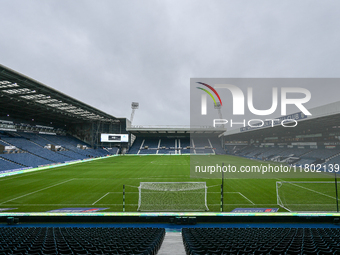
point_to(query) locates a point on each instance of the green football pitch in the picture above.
(99, 184)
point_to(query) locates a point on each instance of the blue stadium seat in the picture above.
(261, 240)
(35, 152)
(87, 240)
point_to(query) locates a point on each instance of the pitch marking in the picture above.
(101, 197)
(242, 196)
(308, 189)
(37, 191)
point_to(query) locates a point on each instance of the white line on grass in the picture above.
(63, 204)
(242, 196)
(157, 177)
(308, 189)
(36, 191)
(285, 208)
(314, 191)
(10, 177)
(101, 197)
(246, 198)
(139, 178)
(303, 188)
(118, 204)
(312, 204)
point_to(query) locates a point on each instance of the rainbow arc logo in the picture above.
(209, 93)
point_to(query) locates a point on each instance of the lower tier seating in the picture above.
(261, 240)
(73, 240)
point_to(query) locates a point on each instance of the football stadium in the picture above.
(64, 163)
(169, 127)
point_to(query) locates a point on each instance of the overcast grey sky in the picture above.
(108, 53)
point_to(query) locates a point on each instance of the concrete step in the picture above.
(172, 244)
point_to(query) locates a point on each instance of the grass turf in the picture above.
(99, 183)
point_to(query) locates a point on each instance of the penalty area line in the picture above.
(246, 198)
(36, 191)
(242, 196)
(308, 189)
(101, 198)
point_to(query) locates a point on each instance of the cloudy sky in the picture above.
(109, 53)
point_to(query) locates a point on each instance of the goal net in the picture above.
(311, 196)
(172, 196)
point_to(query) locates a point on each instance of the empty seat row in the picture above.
(176, 146)
(87, 240)
(36, 152)
(261, 240)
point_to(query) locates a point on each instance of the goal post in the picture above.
(172, 196)
(306, 196)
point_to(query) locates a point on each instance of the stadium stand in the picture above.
(27, 159)
(202, 145)
(296, 156)
(72, 143)
(333, 160)
(270, 152)
(296, 152)
(3, 143)
(261, 240)
(151, 146)
(71, 154)
(84, 240)
(321, 153)
(216, 143)
(234, 149)
(185, 144)
(136, 146)
(7, 165)
(167, 145)
(35, 138)
(111, 151)
(32, 150)
(245, 151)
(251, 151)
(258, 153)
(304, 161)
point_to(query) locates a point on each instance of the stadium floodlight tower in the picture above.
(134, 106)
(218, 106)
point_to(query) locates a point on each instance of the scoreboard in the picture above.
(114, 138)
